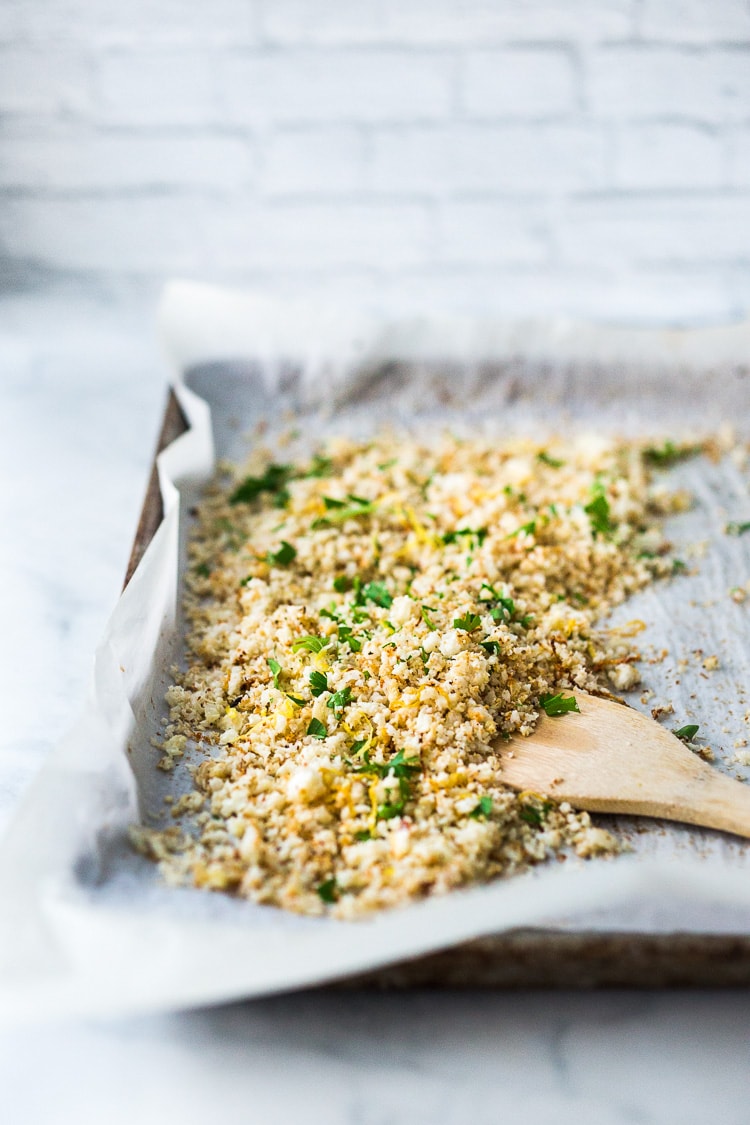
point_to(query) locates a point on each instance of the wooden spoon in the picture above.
(612, 759)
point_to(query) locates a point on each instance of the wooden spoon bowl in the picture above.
(612, 759)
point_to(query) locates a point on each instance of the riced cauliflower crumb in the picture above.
(367, 630)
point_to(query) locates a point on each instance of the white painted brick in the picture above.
(44, 81)
(319, 236)
(445, 22)
(643, 82)
(148, 235)
(479, 21)
(696, 21)
(491, 233)
(314, 161)
(683, 157)
(488, 159)
(661, 231)
(170, 87)
(519, 83)
(113, 162)
(739, 173)
(148, 23)
(337, 86)
(329, 22)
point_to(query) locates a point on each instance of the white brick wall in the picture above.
(589, 157)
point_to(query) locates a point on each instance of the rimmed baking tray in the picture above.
(524, 958)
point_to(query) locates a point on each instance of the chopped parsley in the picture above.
(317, 729)
(295, 699)
(469, 622)
(276, 671)
(320, 467)
(318, 683)
(399, 767)
(558, 704)
(285, 554)
(491, 646)
(546, 459)
(535, 814)
(525, 529)
(484, 808)
(328, 891)
(598, 512)
(310, 644)
(737, 528)
(342, 584)
(479, 534)
(339, 511)
(273, 481)
(424, 610)
(339, 700)
(346, 636)
(687, 733)
(378, 593)
(203, 570)
(669, 453)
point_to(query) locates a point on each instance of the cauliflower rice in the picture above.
(367, 631)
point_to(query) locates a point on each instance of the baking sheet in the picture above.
(87, 926)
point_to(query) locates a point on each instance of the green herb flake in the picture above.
(339, 511)
(469, 622)
(328, 891)
(317, 729)
(295, 699)
(339, 700)
(203, 570)
(737, 528)
(276, 671)
(424, 610)
(558, 704)
(546, 459)
(686, 733)
(273, 481)
(598, 512)
(346, 636)
(365, 834)
(285, 554)
(310, 644)
(318, 683)
(669, 453)
(342, 584)
(525, 529)
(491, 646)
(535, 814)
(483, 809)
(479, 534)
(320, 466)
(378, 593)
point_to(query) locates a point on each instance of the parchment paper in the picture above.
(87, 926)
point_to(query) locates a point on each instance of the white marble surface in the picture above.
(81, 387)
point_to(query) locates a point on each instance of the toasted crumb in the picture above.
(366, 632)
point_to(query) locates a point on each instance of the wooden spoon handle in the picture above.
(707, 798)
